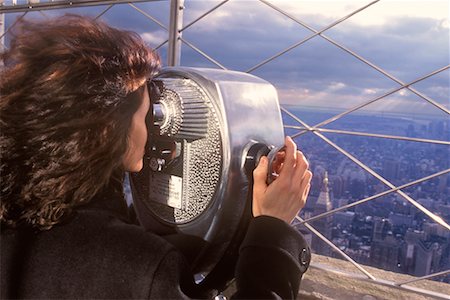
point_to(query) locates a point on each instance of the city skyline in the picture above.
(409, 237)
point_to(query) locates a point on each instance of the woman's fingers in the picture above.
(305, 185)
(302, 177)
(278, 163)
(260, 175)
(306, 191)
(290, 156)
(286, 196)
(301, 166)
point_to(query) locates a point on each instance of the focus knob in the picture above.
(253, 157)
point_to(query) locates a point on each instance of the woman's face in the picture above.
(137, 135)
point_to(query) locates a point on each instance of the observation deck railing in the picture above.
(174, 43)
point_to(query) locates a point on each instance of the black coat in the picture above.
(98, 253)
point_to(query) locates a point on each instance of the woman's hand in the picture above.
(286, 196)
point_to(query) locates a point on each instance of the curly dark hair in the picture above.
(67, 100)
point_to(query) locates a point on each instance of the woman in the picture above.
(72, 110)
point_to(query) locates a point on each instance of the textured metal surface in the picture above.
(207, 191)
(189, 111)
(190, 117)
(214, 115)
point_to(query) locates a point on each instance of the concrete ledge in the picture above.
(326, 279)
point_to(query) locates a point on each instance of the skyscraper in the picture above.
(385, 249)
(323, 225)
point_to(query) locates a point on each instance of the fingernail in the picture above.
(263, 160)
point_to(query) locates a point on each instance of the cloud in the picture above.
(335, 86)
(379, 14)
(260, 33)
(155, 38)
(406, 39)
(408, 44)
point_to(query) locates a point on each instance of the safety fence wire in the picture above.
(434, 217)
(352, 53)
(153, 19)
(381, 194)
(192, 46)
(358, 107)
(2, 35)
(313, 129)
(317, 129)
(316, 33)
(104, 11)
(335, 248)
(71, 5)
(186, 42)
(393, 189)
(384, 136)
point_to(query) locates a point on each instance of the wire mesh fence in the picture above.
(215, 18)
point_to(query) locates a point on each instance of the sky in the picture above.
(407, 39)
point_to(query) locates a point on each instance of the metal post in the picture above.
(2, 30)
(176, 24)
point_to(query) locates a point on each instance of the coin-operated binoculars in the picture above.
(207, 130)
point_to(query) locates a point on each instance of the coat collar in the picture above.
(110, 199)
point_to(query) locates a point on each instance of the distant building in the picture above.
(421, 255)
(436, 129)
(385, 249)
(443, 183)
(344, 218)
(401, 219)
(431, 228)
(443, 209)
(391, 168)
(337, 186)
(323, 225)
(424, 258)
